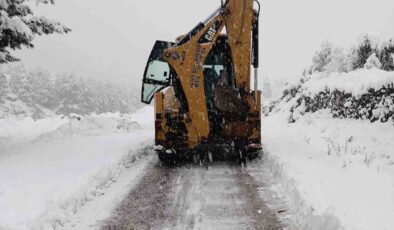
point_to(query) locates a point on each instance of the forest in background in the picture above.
(38, 94)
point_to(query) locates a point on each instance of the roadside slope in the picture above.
(44, 182)
(331, 169)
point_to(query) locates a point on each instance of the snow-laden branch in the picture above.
(18, 25)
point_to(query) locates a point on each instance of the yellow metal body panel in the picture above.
(238, 16)
(159, 124)
(169, 100)
(188, 61)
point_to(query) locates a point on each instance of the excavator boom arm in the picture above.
(218, 53)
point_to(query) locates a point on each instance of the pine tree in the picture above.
(338, 61)
(63, 94)
(351, 58)
(386, 56)
(20, 84)
(40, 82)
(373, 62)
(18, 27)
(364, 51)
(69, 94)
(322, 57)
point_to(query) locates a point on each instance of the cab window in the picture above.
(157, 75)
(158, 71)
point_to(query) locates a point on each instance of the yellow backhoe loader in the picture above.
(201, 87)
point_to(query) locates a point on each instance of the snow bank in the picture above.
(92, 125)
(15, 108)
(43, 184)
(335, 174)
(366, 94)
(15, 129)
(357, 82)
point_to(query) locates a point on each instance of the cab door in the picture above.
(157, 75)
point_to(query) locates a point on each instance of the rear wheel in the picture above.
(168, 159)
(254, 155)
(196, 159)
(242, 158)
(210, 157)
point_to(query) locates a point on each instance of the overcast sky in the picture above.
(111, 40)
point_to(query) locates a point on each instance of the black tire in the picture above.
(167, 159)
(254, 155)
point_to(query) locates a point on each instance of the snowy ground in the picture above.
(51, 169)
(18, 130)
(333, 174)
(317, 173)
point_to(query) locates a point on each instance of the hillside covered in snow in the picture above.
(358, 84)
(328, 144)
(38, 94)
(362, 94)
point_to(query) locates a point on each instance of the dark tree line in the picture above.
(376, 105)
(384, 53)
(386, 56)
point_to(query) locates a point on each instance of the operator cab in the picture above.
(157, 72)
(218, 65)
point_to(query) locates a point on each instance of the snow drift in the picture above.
(332, 165)
(63, 163)
(92, 125)
(334, 173)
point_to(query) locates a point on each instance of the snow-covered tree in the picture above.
(19, 25)
(322, 57)
(337, 61)
(373, 62)
(364, 51)
(20, 84)
(69, 93)
(386, 56)
(63, 94)
(351, 59)
(332, 59)
(41, 87)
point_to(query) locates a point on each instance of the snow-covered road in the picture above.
(94, 212)
(193, 197)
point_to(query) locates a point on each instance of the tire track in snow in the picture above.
(192, 197)
(146, 203)
(98, 208)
